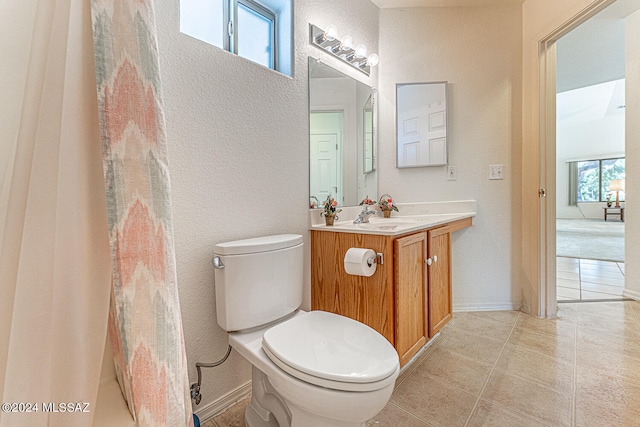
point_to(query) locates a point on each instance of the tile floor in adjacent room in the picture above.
(510, 369)
(588, 279)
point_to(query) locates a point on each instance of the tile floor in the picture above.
(587, 279)
(510, 369)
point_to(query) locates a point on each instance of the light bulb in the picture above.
(373, 60)
(361, 51)
(347, 43)
(331, 33)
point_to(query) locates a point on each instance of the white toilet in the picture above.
(310, 369)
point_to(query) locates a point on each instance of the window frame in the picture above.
(231, 41)
(601, 194)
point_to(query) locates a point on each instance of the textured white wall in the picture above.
(632, 176)
(238, 152)
(478, 51)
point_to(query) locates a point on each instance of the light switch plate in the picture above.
(451, 173)
(496, 171)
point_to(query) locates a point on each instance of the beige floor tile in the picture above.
(567, 312)
(552, 372)
(392, 416)
(620, 311)
(627, 342)
(434, 401)
(507, 317)
(480, 348)
(603, 361)
(481, 324)
(561, 347)
(209, 423)
(614, 398)
(556, 327)
(234, 415)
(527, 397)
(463, 372)
(488, 414)
(590, 413)
(609, 324)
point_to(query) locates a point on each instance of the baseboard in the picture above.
(218, 406)
(631, 294)
(497, 306)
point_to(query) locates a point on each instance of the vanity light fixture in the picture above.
(328, 41)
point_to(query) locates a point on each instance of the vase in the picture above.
(387, 214)
(328, 219)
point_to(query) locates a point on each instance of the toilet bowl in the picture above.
(310, 369)
(336, 394)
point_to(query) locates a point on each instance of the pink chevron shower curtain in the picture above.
(145, 325)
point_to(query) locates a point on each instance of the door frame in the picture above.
(344, 110)
(547, 298)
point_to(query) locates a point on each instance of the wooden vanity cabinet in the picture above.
(411, 304)
(366, 299)
(408, 298)
(439, 279)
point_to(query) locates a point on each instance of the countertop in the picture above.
(411, 217)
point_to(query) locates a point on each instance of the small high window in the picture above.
(258, 30)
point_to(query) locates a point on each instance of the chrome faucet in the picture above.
(363, 217)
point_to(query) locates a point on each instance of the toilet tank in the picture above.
(261, 280)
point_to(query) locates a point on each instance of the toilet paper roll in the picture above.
(356, 262)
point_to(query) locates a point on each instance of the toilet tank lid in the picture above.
(258, 244)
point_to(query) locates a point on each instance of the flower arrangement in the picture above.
(367, 201)
(386, 204)
(330, 207)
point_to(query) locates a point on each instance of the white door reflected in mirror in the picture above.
(421, 124)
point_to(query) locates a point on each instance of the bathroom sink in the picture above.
(392, 226)
(392, 221)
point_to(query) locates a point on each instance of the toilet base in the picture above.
(267, 408)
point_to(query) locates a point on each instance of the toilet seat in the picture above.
(332, 351)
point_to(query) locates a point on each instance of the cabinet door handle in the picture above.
(429, 261)
(435, 258)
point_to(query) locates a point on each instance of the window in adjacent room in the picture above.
(594, 177)
(258, 30)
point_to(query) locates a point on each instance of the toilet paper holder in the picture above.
(379, 259)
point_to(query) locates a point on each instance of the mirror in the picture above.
(421, 124)
(342, 137)
(368, 135)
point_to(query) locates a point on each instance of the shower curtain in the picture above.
(54, 245)
(66, 251)
(145, 325)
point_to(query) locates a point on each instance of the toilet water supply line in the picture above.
(195, 387)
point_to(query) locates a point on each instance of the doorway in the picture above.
(326, 129)
(549, 166)
(590, 158)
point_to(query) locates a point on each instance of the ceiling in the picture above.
(387, 4)
(593, 52)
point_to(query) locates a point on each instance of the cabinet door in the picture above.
(439, 278)
(366, 299)
(410, 307)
